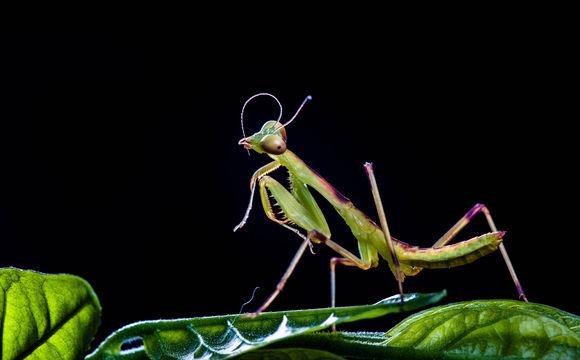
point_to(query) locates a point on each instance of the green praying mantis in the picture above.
(299, 210)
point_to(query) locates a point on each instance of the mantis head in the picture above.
(271, 139)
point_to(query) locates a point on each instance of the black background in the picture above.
(119, 162)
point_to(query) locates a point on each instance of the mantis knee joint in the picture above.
(263, 180)
(317, 236)
(476, 209)
(333, 263)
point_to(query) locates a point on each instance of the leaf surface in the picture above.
(221, 337)
(484, 329)
(46, 316)
(500, 328)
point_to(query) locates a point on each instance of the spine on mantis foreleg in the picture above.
(307, 175)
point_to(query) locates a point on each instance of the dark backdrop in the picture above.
(119, 162)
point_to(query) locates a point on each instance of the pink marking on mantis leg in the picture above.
(341, 198)
(474, 211)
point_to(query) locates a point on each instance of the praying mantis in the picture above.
(299, 210)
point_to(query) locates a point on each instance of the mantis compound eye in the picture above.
(283, 133)
(273, 144)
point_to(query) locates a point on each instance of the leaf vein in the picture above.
(474, 328)
(3, 320)
(432, 328)
(86, 302)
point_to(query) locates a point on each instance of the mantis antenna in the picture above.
(252, 98)
(307, 99)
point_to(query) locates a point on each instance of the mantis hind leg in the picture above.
(466, 219)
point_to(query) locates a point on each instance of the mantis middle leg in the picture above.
(383, 221)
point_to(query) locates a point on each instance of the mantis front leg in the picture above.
(264, 170)
(300, 215)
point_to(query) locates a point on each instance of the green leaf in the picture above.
(46, 316)
(290, 354)
(360, 345)
(484, 329)
(220, 337)
(491, 328)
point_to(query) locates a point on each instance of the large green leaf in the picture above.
(491, 328)
(290, 354)
(485, 329)
(220, 337)
(360, 345)
(46, 316)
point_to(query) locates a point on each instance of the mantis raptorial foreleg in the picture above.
(292, 208)
(264, 170)
(296, 213)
